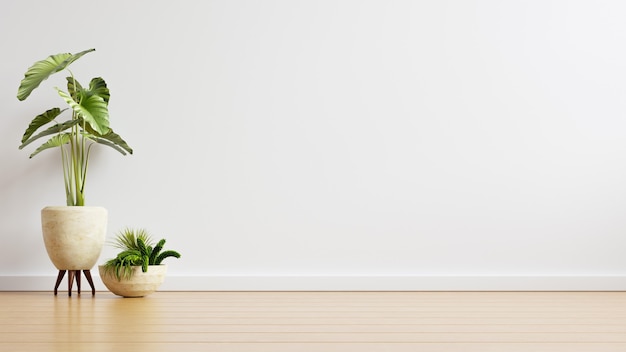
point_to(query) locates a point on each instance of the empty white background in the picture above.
(324, 139)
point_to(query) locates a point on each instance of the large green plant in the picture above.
(138, 249)
(88, 122)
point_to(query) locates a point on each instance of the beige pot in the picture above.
(74, 235)
(138, 285)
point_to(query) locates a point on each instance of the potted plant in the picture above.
(73, 234)
(138, 268)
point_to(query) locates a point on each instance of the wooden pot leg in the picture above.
(74, 274)
(90, 280)
(78, 280)
(70, 281)
(59, 278)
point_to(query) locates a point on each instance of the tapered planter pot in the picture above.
(74, 236)
(138, 285)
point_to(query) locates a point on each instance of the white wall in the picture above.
(387, 144)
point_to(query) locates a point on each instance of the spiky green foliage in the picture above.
(164, 255)
(138, 249)
(156, 251)
(128, 238)
(88, 124)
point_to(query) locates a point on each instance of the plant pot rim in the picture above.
(139, 266)
(60, 207)
(137, 269)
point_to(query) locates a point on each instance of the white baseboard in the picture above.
(348, 283)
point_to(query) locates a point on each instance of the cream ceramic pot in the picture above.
(74, 235)
(138, 285)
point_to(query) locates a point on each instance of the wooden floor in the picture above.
(315, 321)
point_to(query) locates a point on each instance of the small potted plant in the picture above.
(137, 270)
(73, 234)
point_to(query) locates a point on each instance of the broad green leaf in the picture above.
(114, 141)
(98, 86)
(92, 108)
(41, 70)
(59, 127)
(73, 87)
(56, 141)
(41, 120)
(107, 143)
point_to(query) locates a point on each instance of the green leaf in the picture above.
(144, 264)
(114, 141)
(73, 87)
(92, 108)
(41, 70)
(127, 239)
(40, 120)
(164, 255)
(129, 254)
(156, 251)
(107, 143)
(57, 128)
(142, 246)
(53, 142)
(98, 87)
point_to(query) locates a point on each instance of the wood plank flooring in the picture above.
(315, 321)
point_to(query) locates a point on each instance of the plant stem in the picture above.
(66, 175)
